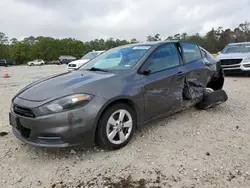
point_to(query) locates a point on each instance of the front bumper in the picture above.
(65, 129)
(72, 68)
(241, 67)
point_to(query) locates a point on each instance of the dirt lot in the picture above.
(192, 149)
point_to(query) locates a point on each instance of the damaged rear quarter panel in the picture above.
(197, 76)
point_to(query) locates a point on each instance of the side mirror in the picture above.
(207, 63)
(146, 72)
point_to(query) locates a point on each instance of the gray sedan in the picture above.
(106, 99)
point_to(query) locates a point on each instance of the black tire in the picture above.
(212, 99)
(32, 64)
(101, 135)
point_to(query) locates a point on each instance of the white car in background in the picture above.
(235, 58)
(36, 62)
(77, 63)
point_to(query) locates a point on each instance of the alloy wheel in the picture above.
(119, 126)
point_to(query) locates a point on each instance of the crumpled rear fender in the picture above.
(196, 81)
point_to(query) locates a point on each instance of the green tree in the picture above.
(3, 38)
(157, 37)
(134, 40)
(20, 52)
(49, 48)
(4, 47)
(13, 40)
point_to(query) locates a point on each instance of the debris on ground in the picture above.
(3, 133)
(73, 152)
(208, 153)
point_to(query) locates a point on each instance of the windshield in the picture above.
(119, 58)
(90, 55)
(237, 48)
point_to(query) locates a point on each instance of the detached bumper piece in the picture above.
(212, 99)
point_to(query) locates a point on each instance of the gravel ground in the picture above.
(192, 149)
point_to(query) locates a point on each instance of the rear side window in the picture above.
(191, 52)
(211, 58)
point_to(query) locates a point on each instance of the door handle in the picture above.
(180, 73)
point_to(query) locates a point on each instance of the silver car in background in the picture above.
(235, 58)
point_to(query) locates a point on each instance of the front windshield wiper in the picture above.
(97, 69)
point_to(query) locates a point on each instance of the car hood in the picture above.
(233, 55)
(60, 85)
(79, 61)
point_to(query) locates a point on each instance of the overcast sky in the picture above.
(123, 19)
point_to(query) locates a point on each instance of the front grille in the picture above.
(72, 65)
(247, 66)
(230, 61)
(23, 111)
(233, 66)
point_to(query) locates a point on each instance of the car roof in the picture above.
(153, 43)
(66, 56)
(235, 43)
(157, 42)
(98, 51)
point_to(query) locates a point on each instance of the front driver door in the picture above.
(163, 86)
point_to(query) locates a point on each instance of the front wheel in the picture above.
(116, 126)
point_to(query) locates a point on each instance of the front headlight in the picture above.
(65, 103)
(247, 59)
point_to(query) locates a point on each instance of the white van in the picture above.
(77, 63)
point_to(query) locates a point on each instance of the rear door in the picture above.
(163, 85)
(197, 74)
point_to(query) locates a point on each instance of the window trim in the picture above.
(140, 69)
(181, 54)
(204, 53)
(184, 59)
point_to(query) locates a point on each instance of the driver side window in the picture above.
(165, 57)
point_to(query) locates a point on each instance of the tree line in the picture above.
(48, 48)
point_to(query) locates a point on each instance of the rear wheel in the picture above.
(116, 126)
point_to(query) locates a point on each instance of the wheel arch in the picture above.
(217, 82)
(121, 99)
